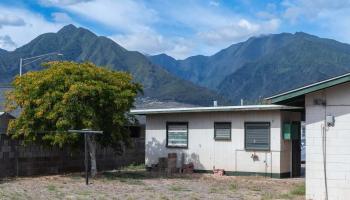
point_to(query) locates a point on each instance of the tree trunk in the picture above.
(92, 151)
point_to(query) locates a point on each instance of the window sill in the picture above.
(227, 140)
(255, 150)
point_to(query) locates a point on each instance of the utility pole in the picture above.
(20, 66)
(86, 162)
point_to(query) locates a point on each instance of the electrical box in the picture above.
(287, 131)
(330, 120)
(291, 131)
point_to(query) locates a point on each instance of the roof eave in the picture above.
(308, 89)
(211, 109)
(8, 114)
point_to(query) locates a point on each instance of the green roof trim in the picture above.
(309, 88)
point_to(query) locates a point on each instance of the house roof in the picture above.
(309, 88)
(6, 113)
(213, 109)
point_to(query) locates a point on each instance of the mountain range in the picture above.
(263, 66)
(249, 70)
(79, 44)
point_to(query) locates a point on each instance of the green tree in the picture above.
(69, 95)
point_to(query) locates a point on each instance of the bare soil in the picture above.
(139, 184)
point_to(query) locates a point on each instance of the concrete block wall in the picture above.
(34, 159)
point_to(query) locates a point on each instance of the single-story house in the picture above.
(4, 121)
(242, 140)
(327, 128)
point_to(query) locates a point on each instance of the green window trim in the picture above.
(222, 131)
(257, 136)
(177, 135)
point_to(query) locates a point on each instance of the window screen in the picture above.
(257, 136)
(177, 134)
(222, 130)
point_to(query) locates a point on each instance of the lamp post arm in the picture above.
(32, 61)
(40, 56)
(36, 58)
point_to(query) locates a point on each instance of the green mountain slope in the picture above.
(210, 71)
(2, 51)
(306, 59)
(262, 66)
(78, 44)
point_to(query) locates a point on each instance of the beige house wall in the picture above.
(206, 153)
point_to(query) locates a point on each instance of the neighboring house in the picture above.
(4, 120)
(242, 140)
(327, 130)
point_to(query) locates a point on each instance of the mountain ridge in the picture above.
(249, 70)
(253, 69)
(80, 45)
(209, 71)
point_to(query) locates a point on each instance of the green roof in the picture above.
(309, 88)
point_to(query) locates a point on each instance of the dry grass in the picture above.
(137, 184)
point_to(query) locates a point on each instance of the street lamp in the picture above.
(36, 58)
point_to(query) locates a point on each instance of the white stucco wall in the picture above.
(337, 144)
(206, 153)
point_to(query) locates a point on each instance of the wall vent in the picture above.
(320, 102)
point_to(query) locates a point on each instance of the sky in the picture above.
(179, 28)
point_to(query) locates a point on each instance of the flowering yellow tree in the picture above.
(69, 95)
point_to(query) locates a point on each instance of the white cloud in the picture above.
(180, 28)
(125, 16)
(34, 25)
(10, 20)
(61, 2)
(332, 17)
(270, 12)
(61, 17)
(314, 9)
(133, 23)
(214, 3)
(7, 43)
(217, 28)
(238, 31)
(150, 42)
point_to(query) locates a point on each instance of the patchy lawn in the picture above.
(135, 183)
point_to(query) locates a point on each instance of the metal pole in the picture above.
(20, 66)
(86, 160)
(86, 133)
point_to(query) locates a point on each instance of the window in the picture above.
(177, 134)
(257, 136)
(222, 130)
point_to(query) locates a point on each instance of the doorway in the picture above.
(296, 149)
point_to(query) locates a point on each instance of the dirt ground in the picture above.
(139, 184)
